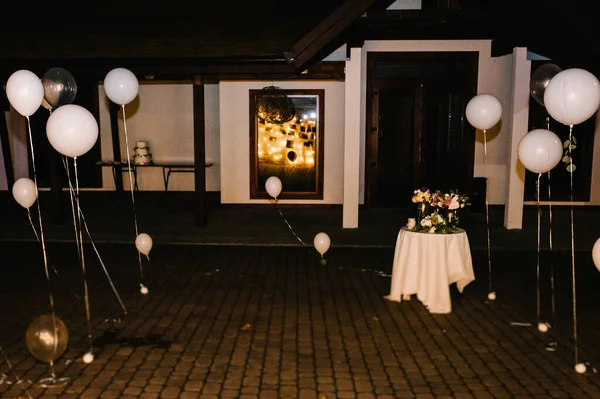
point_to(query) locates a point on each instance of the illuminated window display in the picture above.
(292, 150)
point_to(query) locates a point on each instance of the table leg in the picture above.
(166, 175)
(135, 183)
(114, 173)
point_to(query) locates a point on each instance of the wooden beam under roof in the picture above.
(305, 50)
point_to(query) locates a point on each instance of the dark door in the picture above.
(395, 140)
(417, 134)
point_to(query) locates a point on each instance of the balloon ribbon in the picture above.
(132, 189)
(487, 214)
(42, 240)
(574, 285)
(75, 202)
(85, 285)
(12, 370)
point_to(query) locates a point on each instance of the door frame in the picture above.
(372, 101)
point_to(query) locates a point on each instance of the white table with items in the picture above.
(427, 264)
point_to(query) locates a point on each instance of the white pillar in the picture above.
(352, 112)
(518, 125)
(17, 131)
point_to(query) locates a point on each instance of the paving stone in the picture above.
(170, 393)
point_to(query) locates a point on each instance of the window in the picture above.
(292, 151)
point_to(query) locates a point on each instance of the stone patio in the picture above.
(271, 321)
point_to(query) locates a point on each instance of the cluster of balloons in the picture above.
(72, 131)
(26, 92)
(571, 97)
(322, 242)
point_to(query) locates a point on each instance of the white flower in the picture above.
(432, 230)
(440, 219)
(426, 222)
(454, 204)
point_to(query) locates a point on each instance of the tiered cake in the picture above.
(142, 154)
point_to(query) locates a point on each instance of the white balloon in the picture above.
(580, 368)
(121, 86)
(540, 150)
(273, 186)
(322, 243)
(484, 111)
(72, 130)
(25, 92)
(596, 254)
(88, 358)
(24, 192)
(143, 243)
(572, 96)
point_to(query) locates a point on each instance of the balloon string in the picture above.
(487, 214)
(87, 230)
(12, 370)
(85, 285)
(550, 238)
(42, 240)
(551, 247)
(75, 225)
(32, 225)
(574, 286)
(132, 188)
(539, 212)
(289, 225)
(37, 236)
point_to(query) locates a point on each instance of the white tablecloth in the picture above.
(427, 264)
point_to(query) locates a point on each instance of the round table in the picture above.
(427, 264)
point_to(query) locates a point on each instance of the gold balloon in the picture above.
(47, 338)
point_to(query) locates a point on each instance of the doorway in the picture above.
(417, 134)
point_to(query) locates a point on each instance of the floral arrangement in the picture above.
(453, 200)
(421, 195)
(434, 223)
(445, 206)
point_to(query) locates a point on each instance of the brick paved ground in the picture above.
(248, 322)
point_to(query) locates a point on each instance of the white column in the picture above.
(352, 111)
(17, 131)
(518, 125)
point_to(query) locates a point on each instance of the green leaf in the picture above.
(566, 144)
(571, 168)
(573, 147)
(566, 159)
(573, 139)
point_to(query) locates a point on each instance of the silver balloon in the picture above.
(60, 87)
(540, 79)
